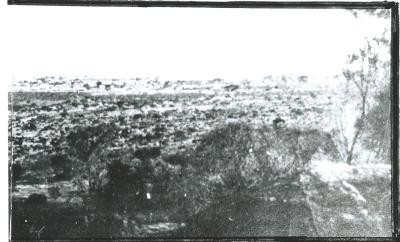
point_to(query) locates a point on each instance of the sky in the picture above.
(182, 43)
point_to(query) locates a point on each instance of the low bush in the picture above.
(148, 153)
(241, 161)
(16, 173)
(122, 179)
(36, 200)
(62, 167)
(176, 159)
(377, 126)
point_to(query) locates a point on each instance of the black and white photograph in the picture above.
(200, 123)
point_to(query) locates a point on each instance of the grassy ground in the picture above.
(175, 117)
(351, 200)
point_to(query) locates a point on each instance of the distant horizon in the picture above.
(313, 79)
(228, 43)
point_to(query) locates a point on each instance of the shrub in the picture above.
(377, 126)
(176, 159)
(85, 145)
(36, 200)
(122, 179)
(31, 125)
(62, 167)
(148, 153)
(16, 173)
(54, 192)
(243, 161)
(85, 140)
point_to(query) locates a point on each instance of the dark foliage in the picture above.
(278, 122)
(238, 161)
(148, 153)
(36, 200)
(176, 159)
(85, 140)
(377, 126)
(16, 171)
(126, 179)
(31, 125)
(231, 88)
(62, 167)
